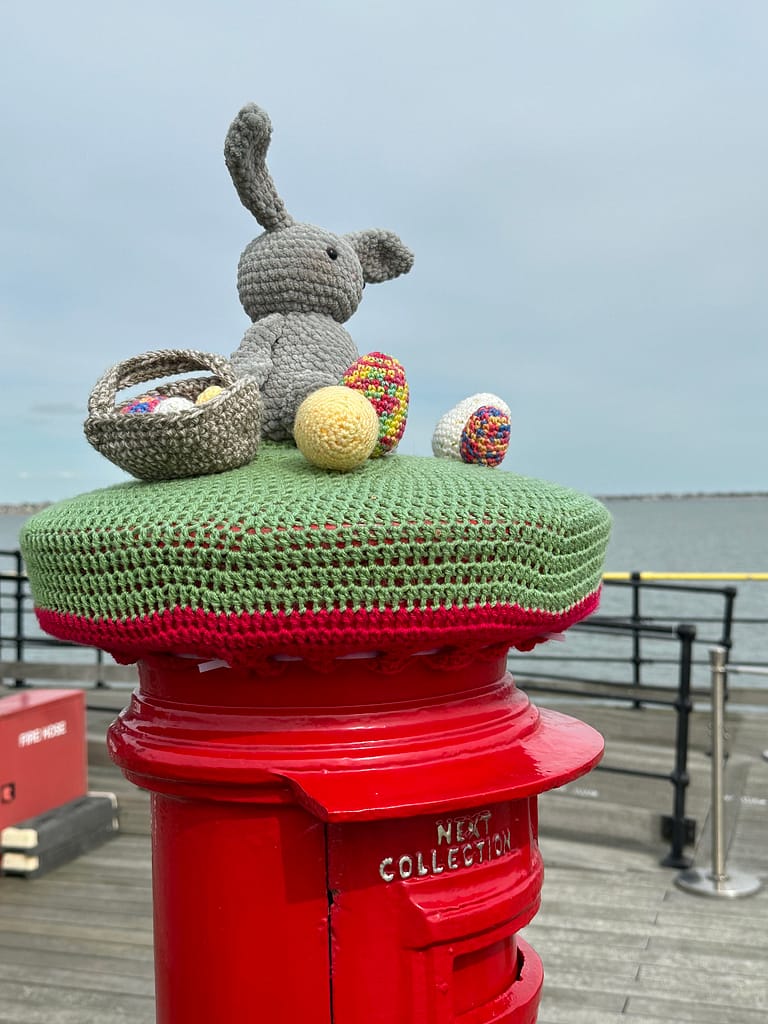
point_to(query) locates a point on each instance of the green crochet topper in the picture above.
(279, 557)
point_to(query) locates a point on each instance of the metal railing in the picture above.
(23, 647)
(597, 673)
(20, 637)
(677, 828)
(639, 582)
(637, 624)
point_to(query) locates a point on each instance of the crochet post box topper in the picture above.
(299, 283)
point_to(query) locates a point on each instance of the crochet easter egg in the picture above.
(335, 428)
(175, 403)
(140, 405)
(485, 437)
(209, 394)
(476, 430)
(381, 379)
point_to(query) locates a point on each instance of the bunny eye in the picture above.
(332, 254)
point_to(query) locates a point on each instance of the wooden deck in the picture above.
(619, 941)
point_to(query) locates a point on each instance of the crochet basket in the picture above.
(219, 435)
(279, 560)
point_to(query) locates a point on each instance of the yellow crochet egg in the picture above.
(209, 394)
(336, 428)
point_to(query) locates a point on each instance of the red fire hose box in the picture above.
(343, 775)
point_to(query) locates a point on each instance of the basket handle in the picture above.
(149, 366)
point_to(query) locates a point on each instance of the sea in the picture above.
(702, 534)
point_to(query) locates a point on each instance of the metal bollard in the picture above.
(718, 881)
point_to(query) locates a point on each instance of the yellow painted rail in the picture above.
(719, 577)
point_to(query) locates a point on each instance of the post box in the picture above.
(343, 774)
(359, 845)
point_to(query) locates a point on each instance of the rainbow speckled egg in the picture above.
(381, 379)
(142, 404)
(485, 437)
(476, 430)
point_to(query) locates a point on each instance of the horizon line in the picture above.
(30, 507)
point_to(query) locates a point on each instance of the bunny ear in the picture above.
(381, 253)
(245, 151)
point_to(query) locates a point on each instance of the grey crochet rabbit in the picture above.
(298, 283)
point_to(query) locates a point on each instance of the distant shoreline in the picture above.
(28, 508)
(669, 496)
(24, 508)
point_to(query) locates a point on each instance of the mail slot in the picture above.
(429, 930)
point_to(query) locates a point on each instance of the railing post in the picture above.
(635, 579)
(717, 666)
(683, 705)
(718, 881)
(19, 612)
(729, 593)
(726, 641)
(100, 662)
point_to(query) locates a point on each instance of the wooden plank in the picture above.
(85, 979)
(558, 1006)
(50, 1004)
(118, 930)
(641, 1008)
(88, 948)
(58, 1013)
(74, 962)
(723, 989)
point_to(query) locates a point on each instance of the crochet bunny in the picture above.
(299, 283)
(296, 372)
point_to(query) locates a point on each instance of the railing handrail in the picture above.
(714, 577)
(747, 670)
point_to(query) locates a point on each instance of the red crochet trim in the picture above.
(247, 638)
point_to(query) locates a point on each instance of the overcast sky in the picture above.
(584, 185)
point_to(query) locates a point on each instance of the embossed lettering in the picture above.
(475, 843)
(384, 871)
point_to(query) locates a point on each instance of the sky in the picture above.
(584, 186)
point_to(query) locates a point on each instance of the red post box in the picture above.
(343, 775)
(359, 845)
